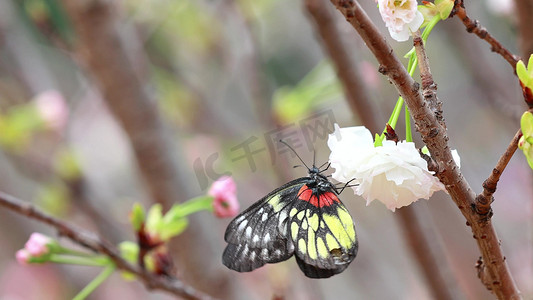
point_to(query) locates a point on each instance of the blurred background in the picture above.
(103, 104)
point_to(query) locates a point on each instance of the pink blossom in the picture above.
(23, 256)
(53, 109)
(224, 191)
(37, 244)
(401, 17)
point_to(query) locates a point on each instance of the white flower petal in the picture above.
(393, 173)
(400, 36)
(417, 22)
(400, 17)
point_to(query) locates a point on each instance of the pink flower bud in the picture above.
(23, 256)
(37, 244)
(224, 191)
(53, 109)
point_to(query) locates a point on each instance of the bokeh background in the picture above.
(225, 75)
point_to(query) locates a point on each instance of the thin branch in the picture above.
(495, 275)
(473, 26)
(361, 105)
(484, 199)
(92, 242)
(435, 137)
(429, 87)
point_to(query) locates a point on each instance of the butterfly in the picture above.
(304, 218)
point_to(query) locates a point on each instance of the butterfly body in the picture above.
(304, 218)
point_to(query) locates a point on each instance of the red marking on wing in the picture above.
(325, 199)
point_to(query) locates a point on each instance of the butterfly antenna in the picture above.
(314, 157)
(283, 142)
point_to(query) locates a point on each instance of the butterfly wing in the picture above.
(323, 233)
(260, 235)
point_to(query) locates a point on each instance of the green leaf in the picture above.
(526, 124)
(378, 140)
(530, 66)
(137, 216)
(173, 228)
(154, 220)
(521, 71)
(528, 153)
(444, 7)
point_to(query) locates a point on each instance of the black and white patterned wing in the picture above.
(260, 234)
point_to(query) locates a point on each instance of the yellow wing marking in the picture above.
(301, 246)
(321, 247)
(338, 230)
(311, 247)
(313, 221)
(347, 221)
(304, 224)
(300, 215)
(332, 242)
(294, 230)
(274, 201)
(293, 212)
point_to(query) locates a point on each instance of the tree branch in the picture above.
(496, 275)
(435, 137)
(484, 199)
(92, 242)
(473, 26)
(360, 105)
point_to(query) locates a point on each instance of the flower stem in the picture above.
(411, 67)
(97, 261)
(194, 205)
(95, 283)
(408, 133)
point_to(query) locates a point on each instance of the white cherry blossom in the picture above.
(394, 173)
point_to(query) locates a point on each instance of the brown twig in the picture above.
(484, 199)
(429, 87)
(435, 137)
(473, 26)
(92, 242)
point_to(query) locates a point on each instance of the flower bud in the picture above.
(224, 192)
